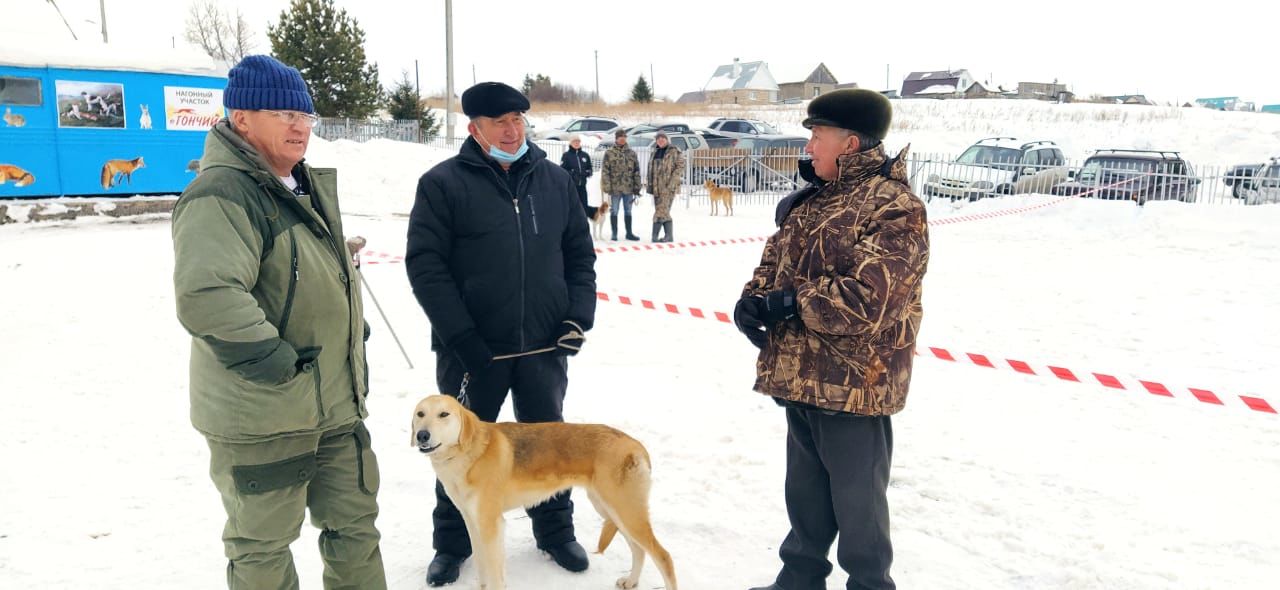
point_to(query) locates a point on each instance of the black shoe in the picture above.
(570, 556)
(633, 237)
(444, 569)
(769, 587)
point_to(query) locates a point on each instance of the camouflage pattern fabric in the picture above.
(665, 177)
(855, 253)
(621, 174)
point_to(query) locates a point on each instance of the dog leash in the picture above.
(466, 377)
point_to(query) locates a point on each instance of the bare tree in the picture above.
(223, 36)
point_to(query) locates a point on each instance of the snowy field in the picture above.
(1000, 480)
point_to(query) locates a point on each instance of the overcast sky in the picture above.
(1095, 46)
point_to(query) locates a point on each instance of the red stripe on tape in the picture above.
(646, 303)
(672, 308)
(624, 300)
(1258, 404)
(1064, 374)
(602, 296)
(1206, 396)
(980, 360)
(1156, 388)
(1021, 367)
(722, 316)
(942, 354)
(697, 313)
(1109, 381)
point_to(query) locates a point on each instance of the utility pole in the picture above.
(416, 87)
(473, 75)
(886, 77)
(597, 52)
(653, 86)
(102, 8)
(448, 67)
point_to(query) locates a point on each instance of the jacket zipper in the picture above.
(515, 204)
(293, 283)
(533, 214)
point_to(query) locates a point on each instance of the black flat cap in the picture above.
(866, 111)
(492, 99)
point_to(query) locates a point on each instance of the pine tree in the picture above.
(327, 46)
(641, 91)
(403, 104)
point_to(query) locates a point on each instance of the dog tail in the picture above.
(606, 535)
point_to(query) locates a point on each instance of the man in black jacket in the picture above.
(501, 260)
(577, 163)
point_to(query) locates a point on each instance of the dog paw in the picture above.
(627, 583)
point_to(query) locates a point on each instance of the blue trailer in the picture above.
(117, 126)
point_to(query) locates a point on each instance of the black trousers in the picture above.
(537, 384)
(582, 196)
(837, 477)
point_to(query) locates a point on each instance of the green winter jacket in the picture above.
(270, 297)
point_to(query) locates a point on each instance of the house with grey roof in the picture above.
(741, 83)
(941, 84)
(804, 86)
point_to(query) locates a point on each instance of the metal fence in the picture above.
(764, 176)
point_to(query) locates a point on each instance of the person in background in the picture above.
(578, 164)
(666, 174)
(621, 181)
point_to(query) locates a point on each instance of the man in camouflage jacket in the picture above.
(621, 181)
(835, 308)
(666, 174)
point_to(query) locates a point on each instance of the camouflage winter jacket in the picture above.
(665, 175)
(855, 253)
(621, 172)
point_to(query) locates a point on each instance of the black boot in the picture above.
(769, 587)
(444, 569)
(631, 236)
(657, 225)
(666, 229)
(613, 223)
(570, 556)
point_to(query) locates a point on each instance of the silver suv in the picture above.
(999, 166)
(742, 127)
(584, 126)
(1264, 187)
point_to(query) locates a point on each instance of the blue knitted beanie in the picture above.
(261, 82)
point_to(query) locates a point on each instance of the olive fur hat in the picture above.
(857, 109)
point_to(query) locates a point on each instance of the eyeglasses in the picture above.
(307, 120)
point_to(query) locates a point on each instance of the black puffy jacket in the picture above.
(505, 253)
(578, 164)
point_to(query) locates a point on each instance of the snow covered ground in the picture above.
(1001, 480)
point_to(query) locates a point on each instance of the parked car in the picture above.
(593, 126)
(1238, 177)
(1264, 186)
(742, 127)
(684, 141)
(669, 127)
(716, 140)
(1133, 175)
(999, 166)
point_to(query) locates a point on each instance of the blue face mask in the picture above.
(504, 157)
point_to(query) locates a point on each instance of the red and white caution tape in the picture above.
(1251, 402)
(994, 214)
(677, 245)
(372, 257)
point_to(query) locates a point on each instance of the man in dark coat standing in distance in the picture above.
(501, 260)
(578, 164)
(834, 307)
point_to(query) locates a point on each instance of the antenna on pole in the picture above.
(64, 20)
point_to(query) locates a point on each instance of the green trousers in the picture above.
(266, 488)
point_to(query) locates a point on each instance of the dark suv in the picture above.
(1133, 175)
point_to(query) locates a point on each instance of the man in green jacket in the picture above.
(266, 288)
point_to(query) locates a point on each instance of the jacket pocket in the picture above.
(262, 410)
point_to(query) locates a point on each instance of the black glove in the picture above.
(472, 352)
(569, 339)
(746, 316)
(778, 305)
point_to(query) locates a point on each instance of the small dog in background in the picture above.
(597, 215)
(720, 195)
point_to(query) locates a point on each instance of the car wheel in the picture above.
(1235, 191)
(1004, 189)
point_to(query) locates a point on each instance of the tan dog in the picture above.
(720, 195)
(476, 462)
(597, 217)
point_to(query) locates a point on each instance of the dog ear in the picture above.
(467, 433)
